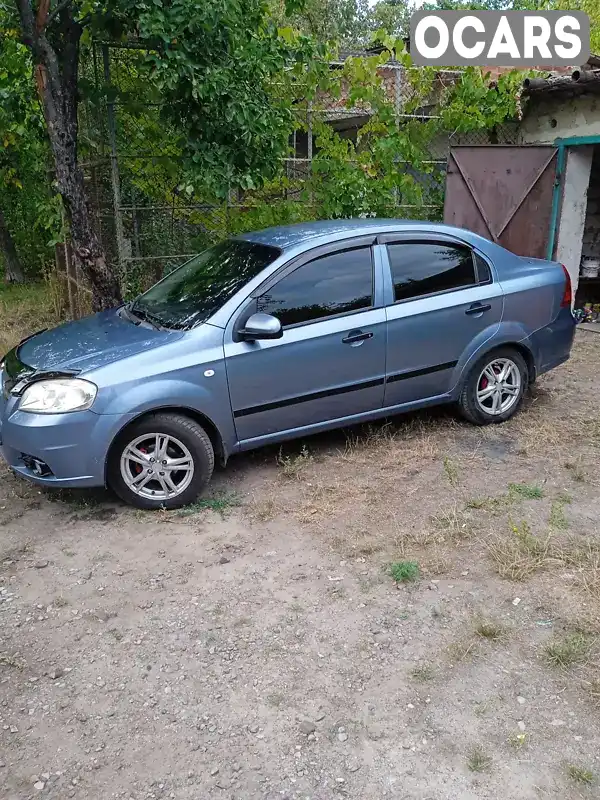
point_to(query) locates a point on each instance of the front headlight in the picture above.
(58, 395)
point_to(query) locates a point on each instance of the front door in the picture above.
(445, 302)
(329, 363)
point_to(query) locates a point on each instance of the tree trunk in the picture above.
(54, 42)
(13, 270)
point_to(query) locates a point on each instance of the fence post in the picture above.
(397, 108)
(114, 165)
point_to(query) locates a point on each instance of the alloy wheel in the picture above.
(157, 466)
(498, 386)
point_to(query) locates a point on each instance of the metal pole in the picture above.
(114, 165)
(556, 197)
(397, 107)
(309, 148)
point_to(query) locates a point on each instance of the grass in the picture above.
(521, 555)
(479, 760)
(220, 504)
(528, 491)
(11, 661)
(518, 740)
(404, 571)
(462, 649)
(423, 673)
(580, 774)
(25, 309)
(454, 523)
(576, 470)
(568, 651)
(264, 510)
(292, 466)
(490, 630)
(492, 504)
(452, 471)
(558, 519)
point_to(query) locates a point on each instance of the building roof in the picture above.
(580, 81)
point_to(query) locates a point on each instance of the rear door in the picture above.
(329, 363)
(443, 300)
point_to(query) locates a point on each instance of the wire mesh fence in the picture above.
(148, 216)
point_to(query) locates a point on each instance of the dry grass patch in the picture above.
(479, 760)
(568, 651)
(291, 466)
(423, 673)
(27, 308)
(263, 510)
(462, 648)
(490, 629)
(558, 519)
(521, 554)
(453, 524)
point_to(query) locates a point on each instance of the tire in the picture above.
(477, 399)
(167, 441)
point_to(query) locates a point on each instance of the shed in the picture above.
(541, 197)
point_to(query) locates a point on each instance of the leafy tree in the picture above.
(25, 192)
(215, 64)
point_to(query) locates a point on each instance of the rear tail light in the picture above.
(567, 297)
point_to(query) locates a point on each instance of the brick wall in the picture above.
(591, 236)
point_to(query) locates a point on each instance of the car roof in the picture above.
(287, 236)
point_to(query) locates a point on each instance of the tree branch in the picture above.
(42, 15)
(54, 14)
(27, 19)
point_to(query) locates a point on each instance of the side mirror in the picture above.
(261, 326)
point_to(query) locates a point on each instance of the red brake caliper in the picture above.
(138, 467)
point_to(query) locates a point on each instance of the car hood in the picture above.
(90, 343)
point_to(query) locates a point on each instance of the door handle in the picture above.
(357, 336)
(478, 308)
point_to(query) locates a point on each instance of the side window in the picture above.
(483, 270)
(333, 284)
(421, 268)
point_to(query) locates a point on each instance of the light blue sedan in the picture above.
(274, 335)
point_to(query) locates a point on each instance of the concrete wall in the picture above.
(573, 210)
(554, 117)
(591, 236)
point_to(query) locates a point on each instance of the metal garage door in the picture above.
(503, 193)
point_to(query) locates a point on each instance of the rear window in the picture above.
(484, 274)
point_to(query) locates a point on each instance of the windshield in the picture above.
(194, 291)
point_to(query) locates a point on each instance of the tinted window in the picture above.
(420, 268)
(198, 288)
(333, 284)
(483, 270)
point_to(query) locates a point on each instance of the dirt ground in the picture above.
(256, 645)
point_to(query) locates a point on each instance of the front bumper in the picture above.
(74, 446)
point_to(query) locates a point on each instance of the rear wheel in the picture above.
(495, 387)
(162, 461)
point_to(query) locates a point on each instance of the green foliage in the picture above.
(404, 571)
(389, 166)
(227, 74)
(29, 204)
(529, 491)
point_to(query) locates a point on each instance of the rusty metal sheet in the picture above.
(503, 192)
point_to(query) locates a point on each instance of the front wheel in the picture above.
(494, 388)
(162, 461)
